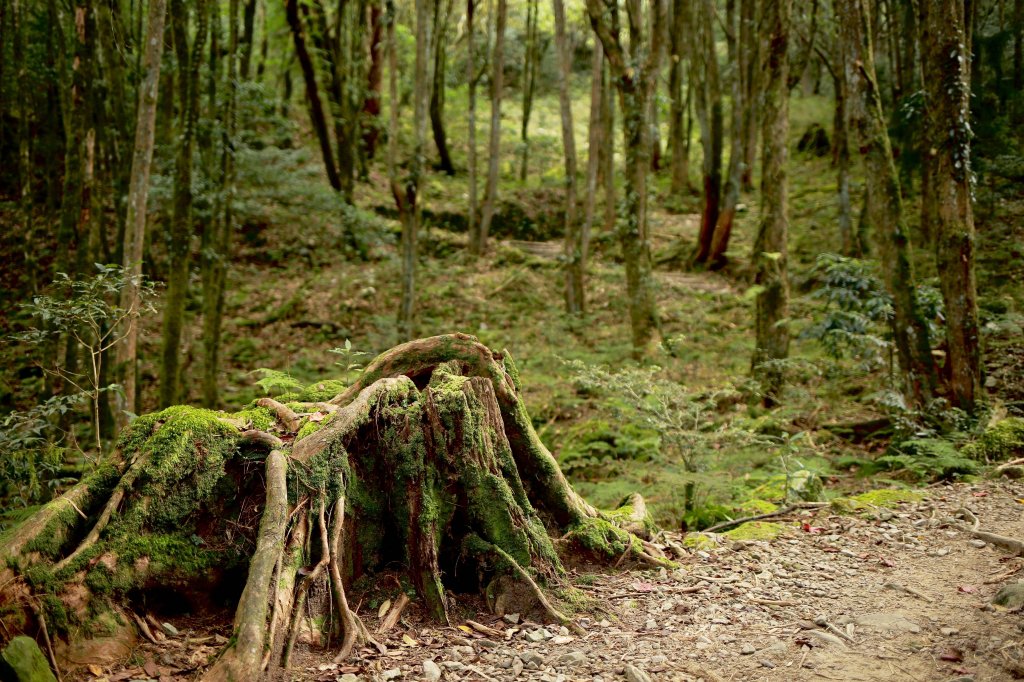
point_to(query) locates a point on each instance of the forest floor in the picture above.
(889, 592)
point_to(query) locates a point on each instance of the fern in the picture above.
(275, 382)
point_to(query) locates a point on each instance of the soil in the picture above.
(879, 594)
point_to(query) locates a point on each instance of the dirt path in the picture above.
(878, 594)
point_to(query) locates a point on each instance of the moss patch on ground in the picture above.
(756, 530)
(888, 498)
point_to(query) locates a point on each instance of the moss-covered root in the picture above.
(243, 659)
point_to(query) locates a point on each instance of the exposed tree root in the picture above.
(559, 617)
(1011, 545)
(285, 414)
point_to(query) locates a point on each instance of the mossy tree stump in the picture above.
(429, 463)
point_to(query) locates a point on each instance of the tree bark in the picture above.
(374, 82)
(634, 76)
(471, 77)
(533, 52)
(575, 265)
(181, 220)
(770, 249)
(709, 114)
(138, 193)
(596, 137)
(947, 79)
(885, 205)
(442, 16)
(494, 147)
(678, 144)
(750, 74)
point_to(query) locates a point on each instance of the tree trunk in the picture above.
(709, 113)
(437, 92)
(494, 147)
(428, 466)
(634, 76)
(313, 101)
(726, 217)
(750, 74)
(885, 205)
(575, 265)
(606, 164)
(770, 249)
(138, 193)
(181, 220)
(595, 141)
(678, 146)
(374, 82)
(246, 40)
(947, 78)
(848, 238)
(1018, 44)
(529, 83)
(471, 77)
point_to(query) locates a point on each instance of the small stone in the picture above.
(563, 631)
(431, 671)
(949, 632)
(635, 674)
(392, 674)
(747, 649)
(517, 667)
(573, 659)
(1011, 596)
(169, 629)
(461, 641)
(604, 623)
(651, 624)
(534, 636)
(453, 665)
(765, 663)
(563, 639)
(511, 618)
(347, 677)
(487, 644)
(978, 543)
(532, 659)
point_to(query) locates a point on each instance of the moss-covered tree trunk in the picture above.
(429, 463)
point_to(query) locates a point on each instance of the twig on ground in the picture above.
(770, 515)
(908, 590)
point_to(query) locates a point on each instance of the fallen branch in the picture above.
(1011, 545)
(284, 413)
(770, 515)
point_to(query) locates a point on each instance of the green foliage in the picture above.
(594, 447)
(275, 382)
(928, 459)
(1001, 441)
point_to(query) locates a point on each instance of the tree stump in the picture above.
(428, 462)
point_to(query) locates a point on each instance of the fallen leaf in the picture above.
(952, 655)
(384, 608)
(409, 641)
(813, 530)
(967, 589)
(465, 628)
(317, 417)
(643, 587)
(151, 669)
(95, 670)
(888, 563)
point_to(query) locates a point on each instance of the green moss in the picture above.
(754, 506)
(883, 497)
(321, 391)
(309, 427)
(260, 418)
(755, 530)
(602, 537)
(1003, 440)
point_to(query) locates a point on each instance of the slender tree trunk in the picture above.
(181, 219)
(138, 193)
(750, 74)
(440, 54)
(947, 79)
(316, 108)
(607, 159)
(1018, 44)
(676, 124)
(494, 147)
(634, 78)
(710, 116)
(595, 141)
(374, 81)
(529, 83)
(24, 107)
(246, 40)
(848, 238)
(885, 204)
(575, 265)
(770, 249)
(726, 217)
(471, 76)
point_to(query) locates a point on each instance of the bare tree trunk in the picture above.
(634, 76)
(374, 81)
(181, 219)
(471, 74)
(726, 217)
(595, 141)
(494, 148)
(575, 264)
(709, 103)
(529, 83)
(316, 108)
(138, 192)
(947, 78)
(770, 249)
(440, 53)
(1018, 44)
(676, 125)
(606, 165)
(885, 204)
(750, 74)
(848, 238)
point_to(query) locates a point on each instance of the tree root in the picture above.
(559, 617)
(284, 414)
(1011, 545)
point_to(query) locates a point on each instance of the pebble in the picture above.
(978, 543)
(531, 658)
(747, 649)
(573, 659)
(511, 618)
(391, 674)
(169, 629)
(348, 677)
(948, 632)
(635, 674)
(765, 663)
(431, 671)
(517, 667)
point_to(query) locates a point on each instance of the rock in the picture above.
(978, 543)
(573, 659)
(765, 663)
(392, 674)
(431, 671)
(511, 618)
(949, 632)
(23, 661)
(635, 674)
(804, 485)
(517, 667)
(887, 622)
(531, 658)
(1011, 596)
(169, 629)
(651, 624)
(487, 644)
(348, 677)
(747, 649)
